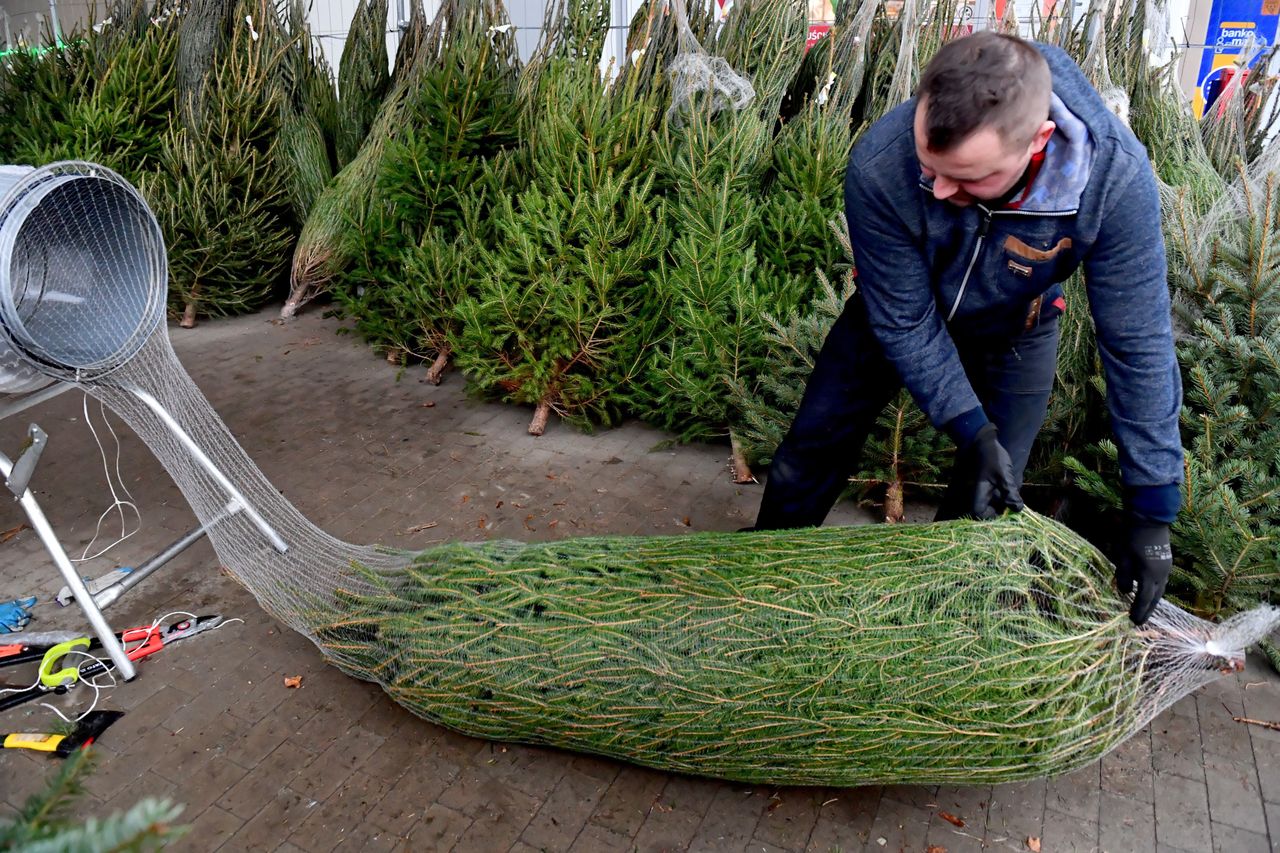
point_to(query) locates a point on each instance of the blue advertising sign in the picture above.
(1231, 24)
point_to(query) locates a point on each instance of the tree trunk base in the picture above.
(188, 316)
(738, 463)
(435, 373)
(541, 415)
(894, 510)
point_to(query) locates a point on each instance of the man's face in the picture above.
(980, 168)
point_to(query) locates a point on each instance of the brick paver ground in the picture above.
(375, 456)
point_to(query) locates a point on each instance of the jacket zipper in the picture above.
(983, 227)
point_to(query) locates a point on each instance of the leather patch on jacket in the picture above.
(1016, 247)
(1033, 313)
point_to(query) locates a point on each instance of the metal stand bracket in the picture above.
(28, 457)
(44, 530)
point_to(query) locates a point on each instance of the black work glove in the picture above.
(1145, 559)
(989, 486)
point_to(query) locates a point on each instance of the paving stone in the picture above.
(1267, 755)
(964, 805)
(1262, 702)
(1175, 746)
(1127, 770)
(1182, 812)
(1076, 794)
(205, 782)
(788, 820)
(440, 829)
(146, 785)
(1233, 793)
(595, 838)
(409, 798)
(1273, 825)
(902, 826)
(330, 821)
(675, 815)
(209, 830)
(1066, 833)
(326, 772)
(531, 770)
(268, 778)
(560, 819)
(1231, 839)
(627, 802)
(845, 817)
(1219, 733)
(24, 776)
(1126, 825)
(1016, 811)
(252, 744)
(731, 818)
(111, 773)
(275, 821)
(921, 796)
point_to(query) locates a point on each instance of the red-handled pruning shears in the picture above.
(138, 643)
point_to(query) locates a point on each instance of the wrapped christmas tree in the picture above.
(363, 76)
(309, 115)
(323, 251)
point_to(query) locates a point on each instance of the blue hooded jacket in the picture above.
(932, 273)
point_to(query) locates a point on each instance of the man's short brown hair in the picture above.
(984, 80)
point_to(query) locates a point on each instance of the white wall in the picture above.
(330, 20)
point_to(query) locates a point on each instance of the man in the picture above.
(967, 208)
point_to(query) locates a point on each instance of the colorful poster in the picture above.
(1231, 23)
(821, 14)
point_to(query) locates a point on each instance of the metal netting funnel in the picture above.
(83, 272)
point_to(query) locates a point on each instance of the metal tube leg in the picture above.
(41, 525)
(109, 596)
(205, 462)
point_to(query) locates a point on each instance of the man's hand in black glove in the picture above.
(990, 473)
(1145, 559)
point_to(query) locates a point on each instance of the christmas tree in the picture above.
(220, 194)
(804, 186)
(107, 96)
(1227, 303)
(462, 113)
(903, 456)
(558, 319)
(711, 161)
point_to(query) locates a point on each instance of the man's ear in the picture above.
(1041, 139)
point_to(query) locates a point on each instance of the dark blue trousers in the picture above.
(852, 382)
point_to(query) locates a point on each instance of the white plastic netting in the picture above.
(921, 653)
(699, 80)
